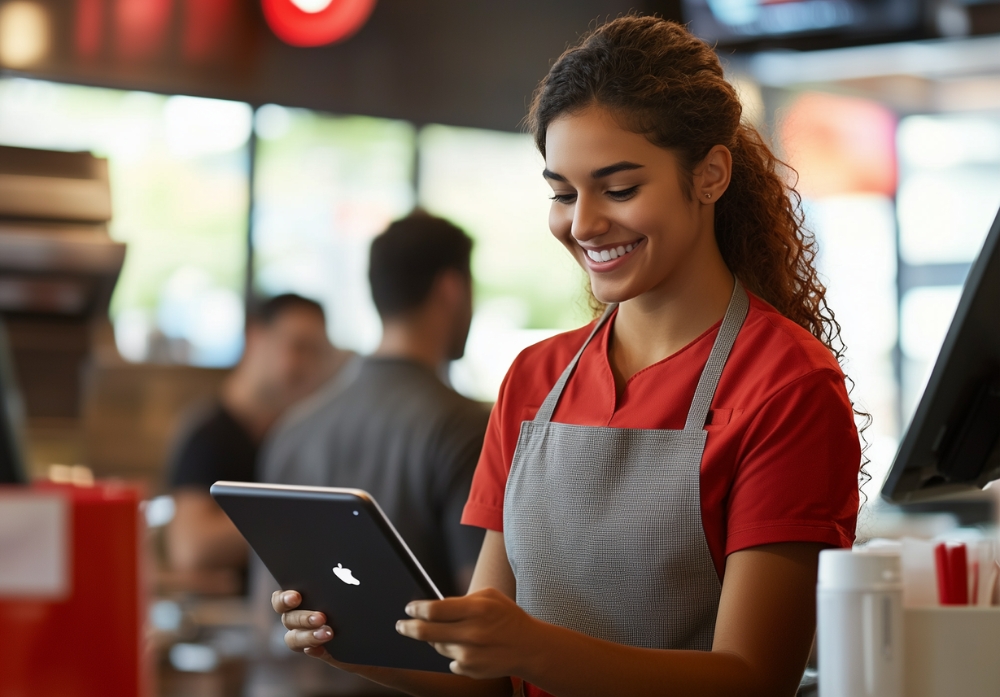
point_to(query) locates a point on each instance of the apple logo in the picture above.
(345, 575)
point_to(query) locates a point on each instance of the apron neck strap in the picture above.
(548, 407)
(739, 304)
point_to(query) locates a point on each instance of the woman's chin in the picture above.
(609, 292)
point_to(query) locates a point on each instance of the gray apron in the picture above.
(603, 525)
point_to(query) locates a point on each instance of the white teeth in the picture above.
(609, 254)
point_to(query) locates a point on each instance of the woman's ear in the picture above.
(712, 174)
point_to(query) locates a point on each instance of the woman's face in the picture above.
(619, 208)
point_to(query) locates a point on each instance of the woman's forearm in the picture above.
(570, 664)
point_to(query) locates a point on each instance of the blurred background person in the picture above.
(287, 357)
(389, 424)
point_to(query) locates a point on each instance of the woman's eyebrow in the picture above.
(623, 166)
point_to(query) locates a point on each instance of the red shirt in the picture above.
(782, 457)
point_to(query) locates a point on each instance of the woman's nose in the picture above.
(589, 220)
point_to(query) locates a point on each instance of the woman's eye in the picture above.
(623, 194)
(563, 198)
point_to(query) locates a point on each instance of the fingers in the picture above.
(447, 610)
(283, 601)
(302, 639)
(303, 619)
(442, 632)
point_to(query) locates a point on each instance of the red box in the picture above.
(89, 642)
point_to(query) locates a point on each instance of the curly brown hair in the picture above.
(659, 80)
(662, 82)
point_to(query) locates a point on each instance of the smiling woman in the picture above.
(656, 486)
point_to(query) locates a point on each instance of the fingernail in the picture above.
(287, 598)
(314, 620)
(410, 609)
(399, 626)
(323, 633)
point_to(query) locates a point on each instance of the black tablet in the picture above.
(337, 548)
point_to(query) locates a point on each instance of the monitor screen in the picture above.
(951, 445)
(12, 469)
(733, 22)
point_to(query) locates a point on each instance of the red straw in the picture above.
(974, 598)
(941, 567)
(958, 575)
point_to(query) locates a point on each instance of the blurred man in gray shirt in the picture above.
(388, 424)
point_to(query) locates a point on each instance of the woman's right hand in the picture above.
(307, 630)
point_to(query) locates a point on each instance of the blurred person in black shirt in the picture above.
(286, 357)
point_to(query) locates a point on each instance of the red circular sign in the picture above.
(336, 21)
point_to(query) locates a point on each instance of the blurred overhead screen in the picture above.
(772, 22)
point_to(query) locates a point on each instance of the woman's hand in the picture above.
(486, 633)
(307, 630)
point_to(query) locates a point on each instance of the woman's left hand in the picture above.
(486, 633)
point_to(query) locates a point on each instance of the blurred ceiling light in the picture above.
(24, 34)
(316, 22)
(312, 6)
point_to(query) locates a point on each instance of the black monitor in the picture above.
(12, 469)
(951, 445)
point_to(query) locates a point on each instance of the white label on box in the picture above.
(34, 545)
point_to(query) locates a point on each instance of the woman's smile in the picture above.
(604, 258)
(620, 205)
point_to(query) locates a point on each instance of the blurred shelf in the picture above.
(935, 75)
(932, 59)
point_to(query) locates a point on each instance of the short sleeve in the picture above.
(797, 477)
(484, 508)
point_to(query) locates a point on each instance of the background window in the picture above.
(527, 285)
(324, 186)
(178, 168)
(844, 151)
(949, 192)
